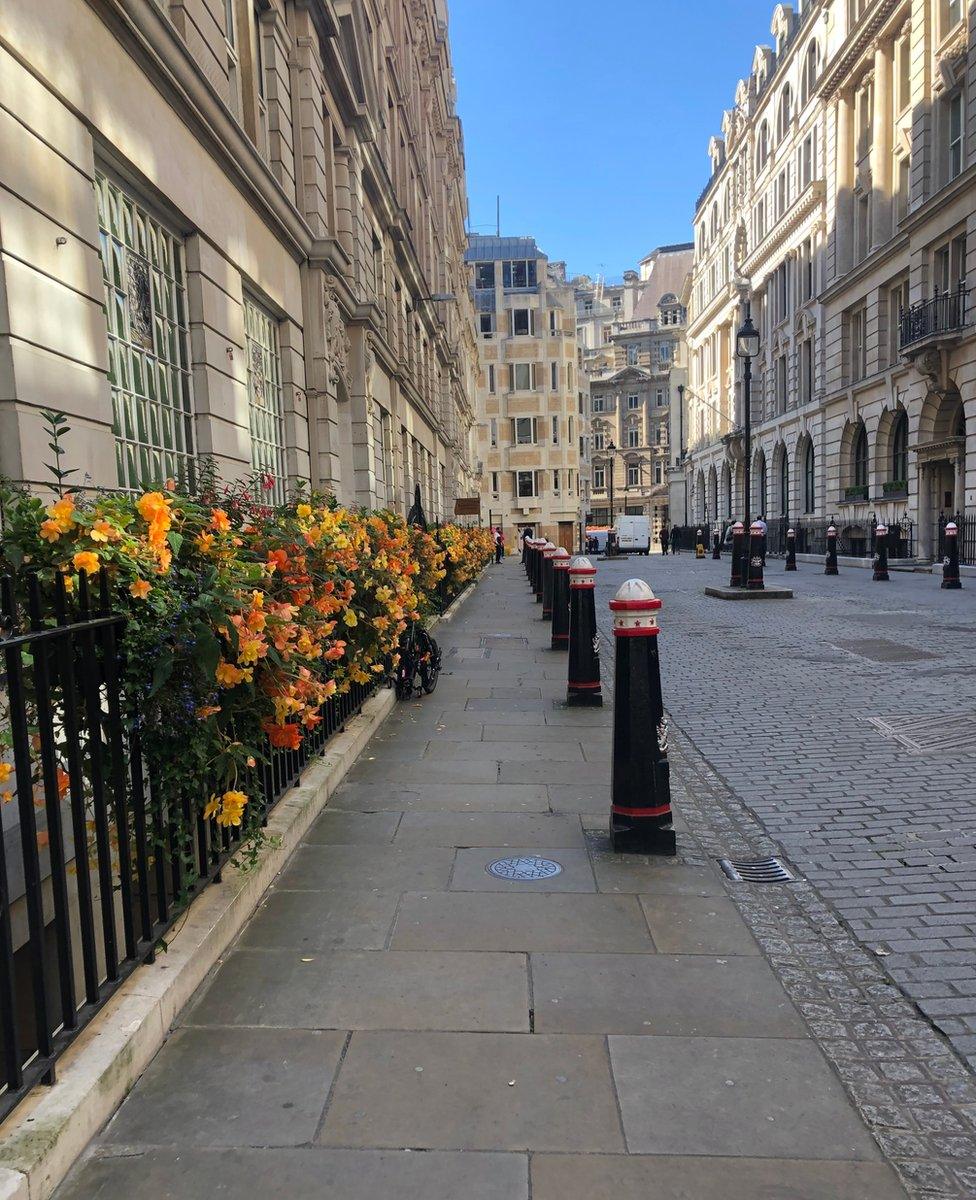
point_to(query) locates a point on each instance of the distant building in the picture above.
(530, 396)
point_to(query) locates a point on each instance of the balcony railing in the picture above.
(944, 313)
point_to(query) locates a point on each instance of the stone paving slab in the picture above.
(475, 1092)
(656, 876)
(494, 921)
(384, 868)
(316, 921)
(697, 925)
(425, 772)
(489, 829)
(471, 870)
(583, 798)
(442, 797)
(506, 752)
(353, 829)
(660, 994)
(765, 1098)
(303, 1174)
(200, 1090)
(367, 990)
(634, 1177)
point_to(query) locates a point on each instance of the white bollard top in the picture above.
(791, 533)
(738, 527)
(952, 529)
(633, 610)
(882, 529)
(582, 572)
(831, 531)
(755, 527)
(548, 550)
(561, 557)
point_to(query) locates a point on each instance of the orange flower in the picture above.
(6, 770)
(51, 530)
(153, 505)
(61, 513)
(140, 589)
(86, 561)
(208, 710)
(284, 737)
(219, 520)
(228, 675)
(102, 531)
(63, 782)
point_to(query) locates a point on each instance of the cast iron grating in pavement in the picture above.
(523, 867)
(930, 733)
(757, 870)
(463, 653)
(882, 650)
(504, 639)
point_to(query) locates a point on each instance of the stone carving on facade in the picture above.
(952, 60)
(337, 344)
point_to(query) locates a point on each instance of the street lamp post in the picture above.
(611, 463)
(681, 445)
(747, 348)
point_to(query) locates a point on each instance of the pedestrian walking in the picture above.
(499, 545)
(662, 537)
(675, 538)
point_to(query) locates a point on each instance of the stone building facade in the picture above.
(632, 379)
(531, 397)
(841, 205)
(223, 231)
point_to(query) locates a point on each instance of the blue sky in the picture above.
(592, 120)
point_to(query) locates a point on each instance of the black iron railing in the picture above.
(94, 863)
(945, 312)
(856, 541)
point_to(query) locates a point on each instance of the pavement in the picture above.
(396, 1021)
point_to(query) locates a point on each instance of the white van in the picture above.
(633, 535)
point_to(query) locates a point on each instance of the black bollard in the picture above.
(831, 562)
(754, 580)
(950, 564)
(881, 554)
(736, 579)
(791, 550)
(529, 555)
(547, 554)
(640, 786)
(560, 600)
(583, 686)
(717, 546)
(699, 544)
(537, 582)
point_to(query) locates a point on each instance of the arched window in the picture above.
(784, 486)
(859, 459)
(715, 219)
(809, 481)
(811, 71)
(762, 147)
(763, 491)
(785, 113)
(899, 449)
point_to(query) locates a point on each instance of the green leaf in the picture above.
(162, 672)
(175, 541)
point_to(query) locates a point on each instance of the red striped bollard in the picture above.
(560, 599)
(640, 787)
(737, 578)
(547, 555)
(583, 685)
(880, 574)
(754, 554)
(830, 567)
(950, 563)
(791, 550)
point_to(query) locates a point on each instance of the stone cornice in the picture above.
(854, 47)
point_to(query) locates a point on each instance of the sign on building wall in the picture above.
(466, 506)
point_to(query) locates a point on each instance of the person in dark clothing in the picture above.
(662, 537)
(499, 545)
(675, 538)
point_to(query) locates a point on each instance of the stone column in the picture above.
(844, 168)
(881, 149)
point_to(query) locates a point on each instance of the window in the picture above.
(494, 482)
(493, 430)
(762, 147)
(491, 378)
(809, 480)
(660, 397)
(569, 424)
(955, 135)
(522, 377)
(524, 431)
(950, 265)
(555, 431)
(897, 304)
(781, 384)
(598, 404)
(264, 398)
(859, 458)
(522, 322)
(659, 472)
(148, 341)
(486, 323)
(899, 449)
(857, 322)
(257, 59)
(902, 184)
(552, 320)
(554, 376)
(806, 371)
(484, 275)
(520, 273)
(633, 356)
(806, 163)
(599, 440)
(633, 475)
(785, 115)
(784, 486)
(811, 71)
(555, 481)
(633, 402)
(903, 75)
(633, 437)
(233, 63)
(952, 11)
(525, 484)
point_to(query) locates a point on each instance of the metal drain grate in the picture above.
(758, 870)
(524, 867)
(928, 734)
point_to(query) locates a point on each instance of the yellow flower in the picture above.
(61, 511)
(51, 530)
(304, 511)
(213, 804)
(250, 651)
(152, 506)
(6, 770)
(140, 589)
(232, 805)
(228, 675)
(350, 618)
(86, 561)
(102, 531)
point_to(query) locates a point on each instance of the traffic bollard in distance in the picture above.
(754, 579)
(716, 546)
(539, 563)
(830, 567)
(791, 550)
(699, 544)
(640, 785)
(548, 551)
(736, 578)
(583, 685)
(560, 599)
(880, 574)
(950, 563)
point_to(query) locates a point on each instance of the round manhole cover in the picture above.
(523, 867)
